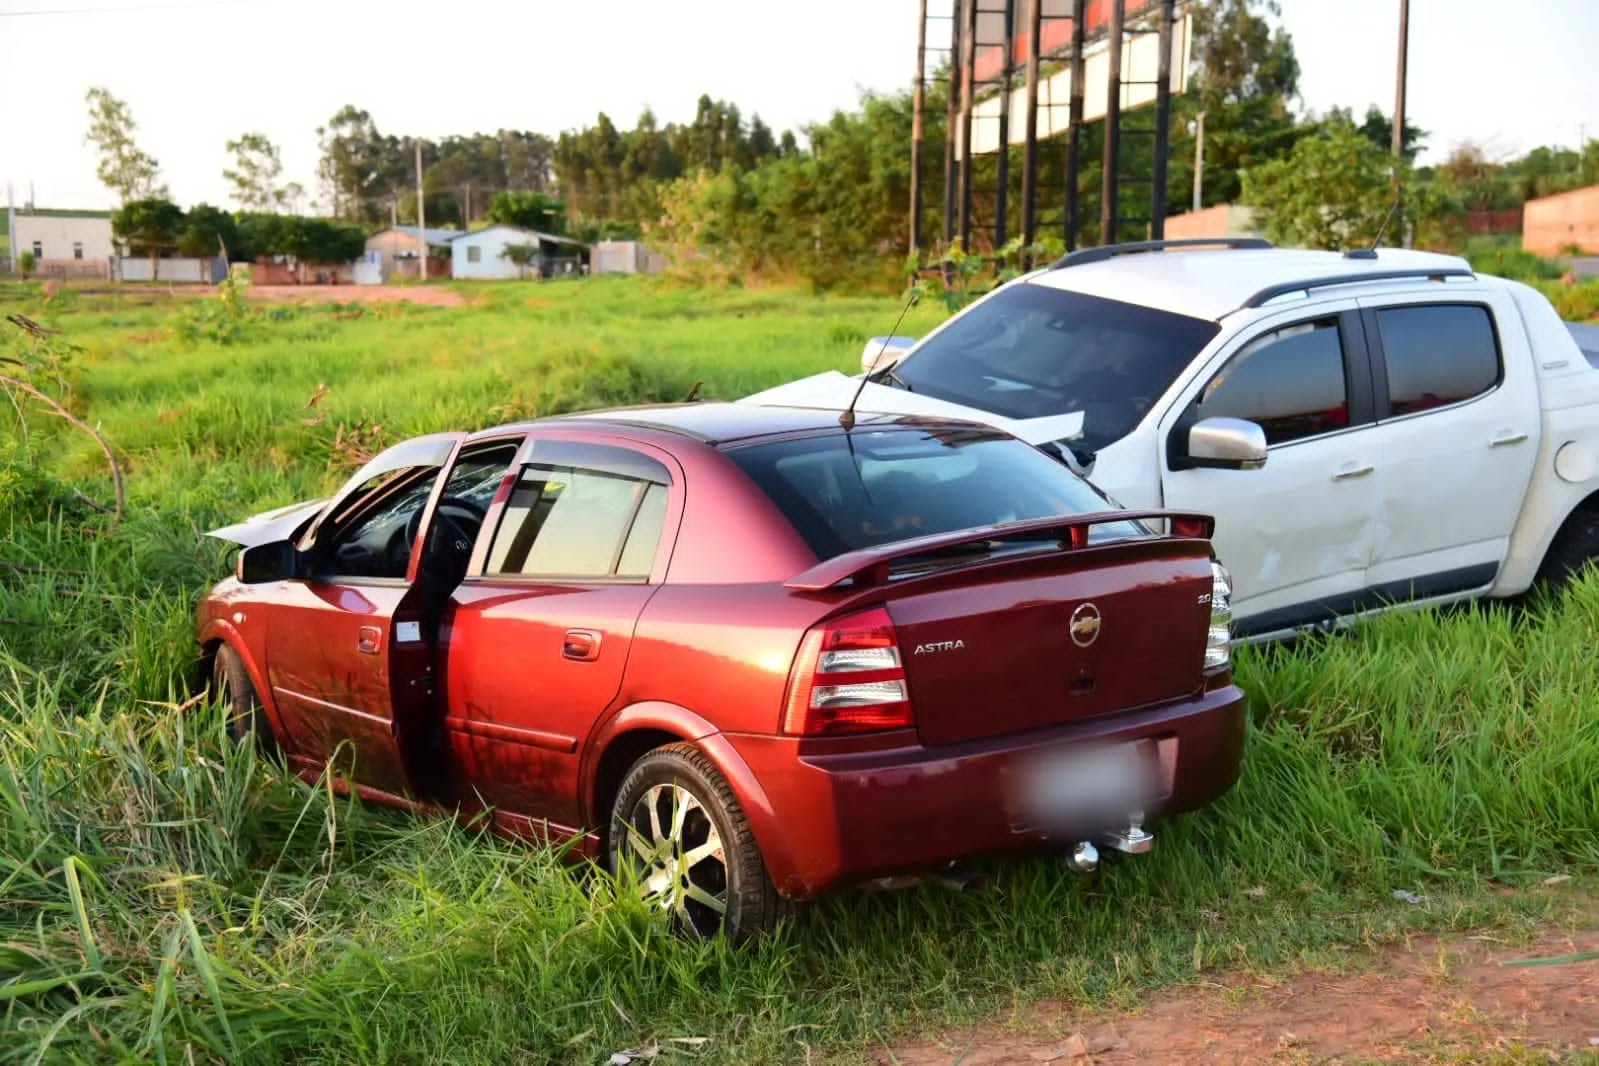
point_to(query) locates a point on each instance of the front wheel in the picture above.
(678, 828)
(230, 682)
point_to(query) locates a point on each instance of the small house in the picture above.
(502, 251)
(397, 251)
(64, 243)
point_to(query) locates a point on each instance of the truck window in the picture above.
(1437, 354)
(1290, 382)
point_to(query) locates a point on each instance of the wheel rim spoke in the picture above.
(678, 855)
(705, 897)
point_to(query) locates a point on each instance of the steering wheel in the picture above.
(456, 522)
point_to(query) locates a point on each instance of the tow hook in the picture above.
(1084, 858)
(1133, 840)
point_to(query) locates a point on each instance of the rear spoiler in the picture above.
(872, 564)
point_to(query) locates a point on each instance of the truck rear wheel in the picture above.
(1575, 548)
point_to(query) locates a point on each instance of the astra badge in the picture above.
(939, 645)
(1085, 625)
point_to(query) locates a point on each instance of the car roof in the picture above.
(1210, 283)
(716, 422)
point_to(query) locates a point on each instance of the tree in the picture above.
(361, 169)
(255, 172)
(523, 255)
(207, 231)
(1335, 190)
(529, 210)
(1378, 128)
(124, 168)
(26, 262)
(150, 225)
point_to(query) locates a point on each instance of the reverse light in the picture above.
(848, 678)
(1219, 642)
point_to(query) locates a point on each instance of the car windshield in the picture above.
(1031, 351)
(846, 491)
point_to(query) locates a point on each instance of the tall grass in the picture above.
(168, 896)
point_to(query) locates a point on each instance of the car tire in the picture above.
(1575, 548)
(230, 682)
(729, 873)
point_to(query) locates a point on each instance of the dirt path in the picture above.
(434, 295)
(1449, 1000)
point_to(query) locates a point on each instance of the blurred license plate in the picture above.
(1108, 781)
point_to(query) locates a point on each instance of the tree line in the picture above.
(729, 196)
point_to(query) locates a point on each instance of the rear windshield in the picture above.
(1029, 351)
(847, 491)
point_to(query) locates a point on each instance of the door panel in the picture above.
(329, 679)
(523, 688)
(1455, 470)
(1297, 534)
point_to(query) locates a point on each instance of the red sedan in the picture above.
(747, 653)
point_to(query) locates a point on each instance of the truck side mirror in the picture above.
(276, 560)
(881, 353)
(1225, 444)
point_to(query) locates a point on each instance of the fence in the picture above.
(177, 271)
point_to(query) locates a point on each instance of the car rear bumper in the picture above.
(849, 810)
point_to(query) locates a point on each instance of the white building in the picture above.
(481, 253)
(626, 257)
(63, 242)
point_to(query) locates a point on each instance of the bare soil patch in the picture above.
(1448, 999)
(432, 295)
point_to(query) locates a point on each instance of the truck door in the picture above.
(1457, 431)
(1299, 533)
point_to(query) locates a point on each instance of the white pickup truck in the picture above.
(1370, 429)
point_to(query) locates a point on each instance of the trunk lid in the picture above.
(1045, 639)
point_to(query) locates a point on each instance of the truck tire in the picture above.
(677, 826)
(1575, 548)
(230, 682)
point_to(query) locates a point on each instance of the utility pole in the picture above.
(421, 213)
(1199, 161)
(918, 104)
(1399, 118)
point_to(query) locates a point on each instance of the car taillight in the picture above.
(848, 678)
(1219, 643)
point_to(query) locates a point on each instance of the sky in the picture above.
(197, 73)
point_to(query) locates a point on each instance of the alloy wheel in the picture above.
(675, 848)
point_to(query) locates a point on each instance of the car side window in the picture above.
(1289, 381)
(370, 538)
(1437, 354)
(575, 522)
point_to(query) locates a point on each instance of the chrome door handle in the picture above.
(583, 645)
(1353, 471)
(1505, 437)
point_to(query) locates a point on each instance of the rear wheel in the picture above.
(231, 683)
(679, 829)
(1575, 548)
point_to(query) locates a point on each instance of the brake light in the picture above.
(848, 678)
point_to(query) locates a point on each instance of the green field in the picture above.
(166, 896)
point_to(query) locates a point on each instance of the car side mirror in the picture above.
(881, 353)
(276, 560)
(1226, 444)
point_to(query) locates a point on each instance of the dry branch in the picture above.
(60, 411)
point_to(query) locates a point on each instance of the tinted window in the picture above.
(1029, 351)
(1437, 355)
(570, 522)
(1289, 381)
(845, 492)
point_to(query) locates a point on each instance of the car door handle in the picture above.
(582, 645)
(1353, 471)
(1507, 436)
(368, 639)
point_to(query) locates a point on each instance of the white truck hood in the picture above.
(833, 390)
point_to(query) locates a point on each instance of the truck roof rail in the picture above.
(1282, 288)
(1110, 251)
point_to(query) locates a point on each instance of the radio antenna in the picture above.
(847, 419)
